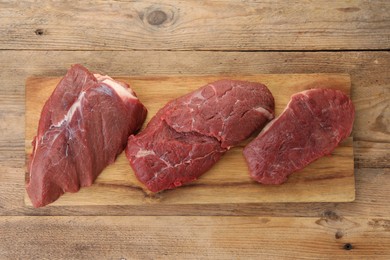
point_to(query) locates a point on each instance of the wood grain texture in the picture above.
(370, 93)
(194, 237)
(195, 25)
(329, 179)
(371, 200)
(30, 31)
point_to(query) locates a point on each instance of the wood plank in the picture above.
(370, 81)
(194, 237)
(365, 151)
(195, 25)
(329, 179)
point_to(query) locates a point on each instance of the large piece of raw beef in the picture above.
(312, 125)
(84, 125)
(190, 134)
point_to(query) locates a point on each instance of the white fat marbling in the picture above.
(123, 92)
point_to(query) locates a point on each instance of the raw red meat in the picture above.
(313, 124)
(190, 134)
(84, 125)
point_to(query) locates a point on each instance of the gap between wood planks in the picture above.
(203, 50)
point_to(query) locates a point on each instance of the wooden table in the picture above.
(200, 38)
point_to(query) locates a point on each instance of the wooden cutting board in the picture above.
(329, 179)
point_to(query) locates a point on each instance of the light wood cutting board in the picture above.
(329, 179)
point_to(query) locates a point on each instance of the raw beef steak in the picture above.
(190, 134)
(313, 124)
(84, 125)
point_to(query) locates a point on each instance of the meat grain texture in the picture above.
(84, 125)
(312, 125)
(190, 134)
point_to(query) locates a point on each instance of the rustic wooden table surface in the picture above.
(193, 37)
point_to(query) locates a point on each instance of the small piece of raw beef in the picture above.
(313, 124)
(84, 125)
(190, 134)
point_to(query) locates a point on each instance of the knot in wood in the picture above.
(338, 234)
(348, 246)
(39, 31)
(157, 17)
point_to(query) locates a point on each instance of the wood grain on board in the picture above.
(195, 25)
(329, 179)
